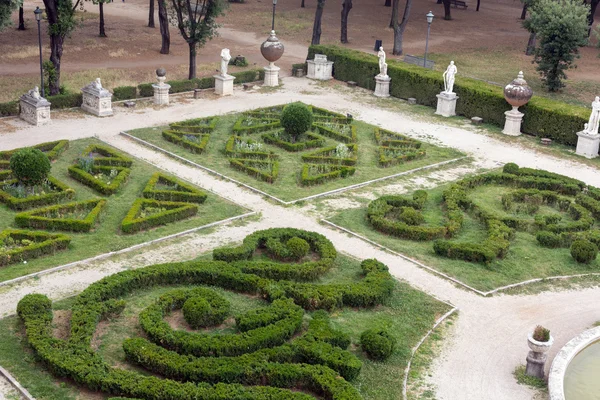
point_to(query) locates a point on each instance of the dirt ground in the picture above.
(487, 44)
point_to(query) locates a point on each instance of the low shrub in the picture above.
(145, 90)
(379, 344)
(51, 218)
(548, 239)
(511, 168)
(107, 156)
(341, 154)
(173, 189)
(410, 216)
(8, 109)
(205, 308)
(124, 93)
(584, 251)
(165, 213)
(297, 247)
(296, 118)
(266, 170)
(311, 141)
(33, 245)
(118, 177)
(324, 130)
(30, 166)
(67, 100)
(327, 173)
(196, 125)
(61, 191)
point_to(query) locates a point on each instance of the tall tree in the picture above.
(394, 13)
(400, 27)
(316, 35)
(388, 3)
(593, 7)
(346, 7)
(6, 9)
(151, 14)
(100, 3)
(196, 20)
(21, 20)
(163, 20)
(61, 23)
(302, 4)
(447, 15)
(478, 4)
(561, 27)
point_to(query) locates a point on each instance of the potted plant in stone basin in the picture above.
(539, 340)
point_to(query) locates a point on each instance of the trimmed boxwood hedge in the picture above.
(255, 168)
(9, 108)
(182, 139)
(108, 156)
(181, 191)
(327, 156)
(42, 243)
(17, 203)
(124, 93)
(311, 141)
(98, 185)
(330, 172)
(173, 211)
(37, 218)
(314, 361)
(543, 117)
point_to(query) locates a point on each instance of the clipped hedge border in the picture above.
(408, 155)
(179, 138)
(90, 180)
(44, 243)
(15, 203)
(325, 131)
(334, 172)
(51, 149)
(33, 219)
(324, 156)
(249, 167)
(239, 128)
(232, 152)
(196, 125)
(175, 211)
(312, 142)
(110, 156)
(185, 192)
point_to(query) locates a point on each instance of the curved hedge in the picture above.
(196, 365)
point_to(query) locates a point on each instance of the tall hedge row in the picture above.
(543, 117)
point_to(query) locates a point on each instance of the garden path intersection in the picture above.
(487, 340)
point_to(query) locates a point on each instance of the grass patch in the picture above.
(524, 379)
(408, 315)
(106, 236)
(525, 259)
(287, 186)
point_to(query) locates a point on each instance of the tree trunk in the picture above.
(524, 12)
(21, 19)
(151, 15)
(102, 32)
(192, 74)
(316, 36)
(302, 4)
(447, 15)
(399, 28)
(593, 6)
(530, 44)
(394, 18)
(163, 20)
(478, 4)
(388, 3)
(56, 45)
(346, 7)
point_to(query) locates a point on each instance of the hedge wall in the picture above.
(543, 117)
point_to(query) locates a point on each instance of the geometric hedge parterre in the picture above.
(575, 209)
(273, 355)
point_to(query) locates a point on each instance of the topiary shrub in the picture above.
(30, 166)
(584, 251)
(410, 216)
(379, 344)
(296, 118)
(548, 239)
(204, 311)
(511, 168)
(297, 247)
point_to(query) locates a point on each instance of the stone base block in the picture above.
(382, 86)
(512, 125)
(98, 106)
(412, 101)
(587, 144)
(535, 364)
(271, 76)
(446, 105)
(224, 84)
(477, 120)
(320, 70)
(161, 94)
(35, 115)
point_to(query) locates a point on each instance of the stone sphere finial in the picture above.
(518, 93)
(161, 72)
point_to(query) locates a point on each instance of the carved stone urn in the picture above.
(536, 359)
(517, 94)
(272, 50)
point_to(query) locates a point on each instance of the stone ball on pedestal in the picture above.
(161, 72)
(272, 49)
(518, 93)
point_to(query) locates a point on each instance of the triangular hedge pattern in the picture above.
(118, 176)
(395, 148)
(28, 245)
(266, 169)
(146, 213)
(106, 156)
(315, 174)
(192, 134)
(341, 155)
(58, 217)
(52, 150)
(168, 188)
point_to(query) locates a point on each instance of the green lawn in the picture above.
(286, 187)
(106, 236)
(408, 315)
(525, 259)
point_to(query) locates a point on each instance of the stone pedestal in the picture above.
(224, 84)
(382, 86)
(96, 100)
(446, 105)
(535, 364)
(319, 68)
(271, 75)
(587, 144)
(512, 125)
(161, 93)
(34, 108)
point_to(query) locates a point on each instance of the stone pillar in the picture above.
(96, 100)
(587, 144)
(271, 75)
(161, 89)
(34, 108)
(320, 68)
(536, 358)
(446, 105)
(224, 84)
(382, 86)
(512, 125)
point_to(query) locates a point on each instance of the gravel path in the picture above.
(488, 339)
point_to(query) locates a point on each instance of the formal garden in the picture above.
(66, 201)
(282, 316)
(307, 152)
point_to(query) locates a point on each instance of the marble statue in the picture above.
(35, 93)
(382, 64)
(448, 76)
(594, 122)
(225, 57)
(97, 84)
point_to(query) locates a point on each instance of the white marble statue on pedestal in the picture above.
(594, 122)
(448, 76)
(446, 105)
(225, 58)
(588, 140)
(382, 64)
(35, 93)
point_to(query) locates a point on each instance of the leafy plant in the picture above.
(296, 118)
(297, 247)
(86, 163)
(379, 344)
(30, 166)
(541, 334)
(584, 251)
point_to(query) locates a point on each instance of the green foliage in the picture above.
(118, 176)
(60, 191)
(379, 344)
(266, 170)
(584, 251)
(53, 217)
(296, 118)
(166, 212)
(548, 239)
(561, 27)
(106, 156)
(541, 334)
(168, 188)
(9, 109)
(297, 247)
(30, 166)
(66, 100)
(311, 141)
(205, 308)
(511, 168)
(30, 245)
(315, 174)
(124, 93)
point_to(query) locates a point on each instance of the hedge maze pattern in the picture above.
(274, 354)
(576, 209)
(192, 134)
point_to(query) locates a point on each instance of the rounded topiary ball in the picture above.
(584, 251)
(30, 166)
(297, 247)
(511, 168)
(296, 118)
(199, 313)
(379, 344)
(410, 216)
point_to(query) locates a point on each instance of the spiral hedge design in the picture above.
(271, 356)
